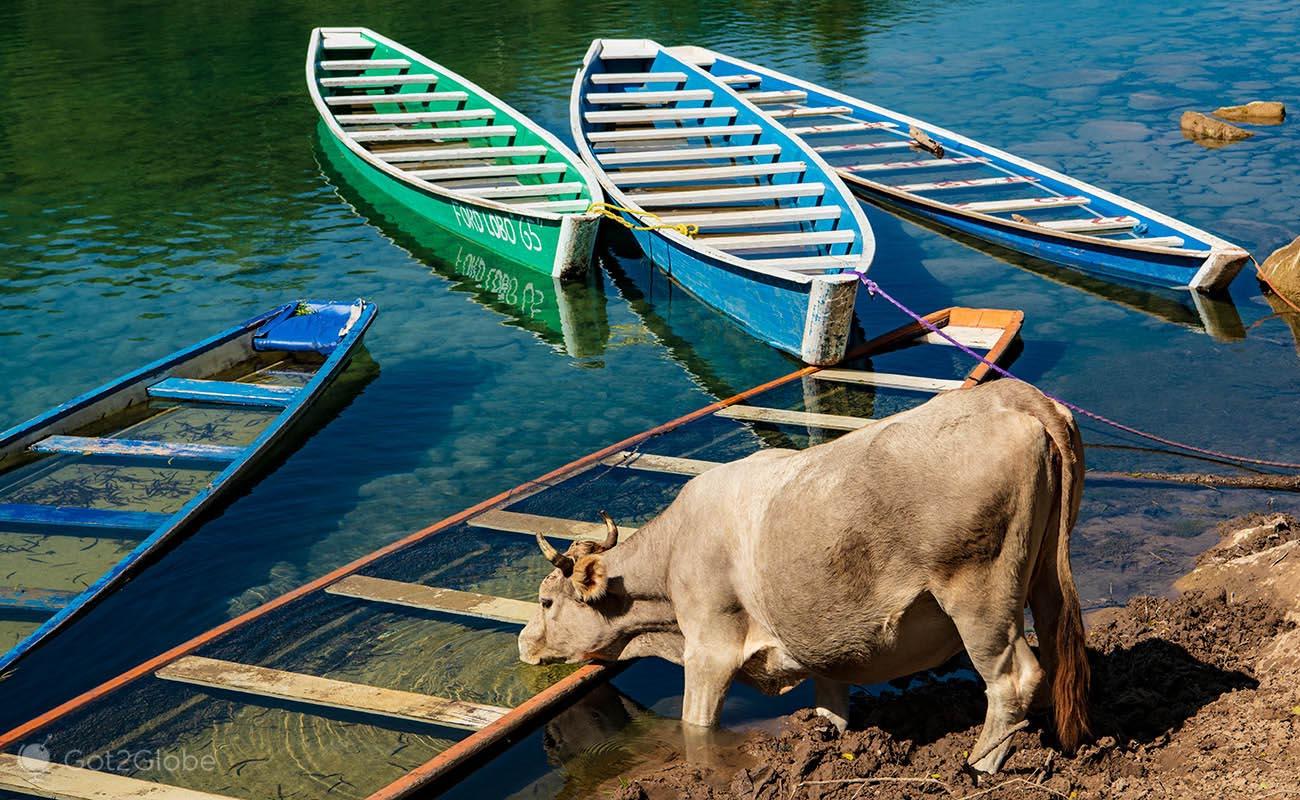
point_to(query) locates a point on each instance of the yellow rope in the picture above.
(612, 212)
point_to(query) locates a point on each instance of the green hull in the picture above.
(526, 239)
(568, 315)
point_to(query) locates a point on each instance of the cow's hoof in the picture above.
(841, 724)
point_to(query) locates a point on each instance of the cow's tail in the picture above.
(1071, 678)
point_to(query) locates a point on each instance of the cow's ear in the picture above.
(589, 578)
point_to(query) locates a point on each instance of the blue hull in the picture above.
(1166, 271)
(165, 527)
(768, 308)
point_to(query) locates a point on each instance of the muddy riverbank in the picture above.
(1193, 696)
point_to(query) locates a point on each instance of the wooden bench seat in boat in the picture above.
(648, 98)
(489, 171)
(614, 78)
(365, 63)
(688, 154)
(396, 97)
(460, 153)
(434, 134)
(42, 601)
(224, 392)
(72, 517)
(522, 190)
(779, 241)
(370, 81)
(728, 195)
(686, 174)
(685, 132)
(972, 183)
(414, 117)
(660, 115)
(136, 448)
(752, 218)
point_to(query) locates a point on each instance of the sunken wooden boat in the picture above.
(897, 161)
(726, 201)
(452, 152)
(92, 488)
(397, 673)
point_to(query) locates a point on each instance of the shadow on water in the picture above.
(1216, 316)
(569, 315)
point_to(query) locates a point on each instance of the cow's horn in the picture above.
(555, 556)
(611, 532)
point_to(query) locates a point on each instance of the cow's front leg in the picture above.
(708, 675)
(714, 653)
(832, 701)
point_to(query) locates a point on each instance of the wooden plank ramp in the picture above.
(430, 598)
(327, 692)
(782, 416)
(555, 527)
(50, 779)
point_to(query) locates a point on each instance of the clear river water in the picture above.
(161, 177)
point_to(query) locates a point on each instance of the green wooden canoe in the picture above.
(452, 152)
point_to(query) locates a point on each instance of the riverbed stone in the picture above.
(1199, 126)
(1256, 111)
(1282, 270)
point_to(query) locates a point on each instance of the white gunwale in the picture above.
(724, 94)
(580, 169)
(1218, 247)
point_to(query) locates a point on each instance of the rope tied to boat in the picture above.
(612, 211)
(873, 290)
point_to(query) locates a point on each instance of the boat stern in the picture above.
(831, 300)
(1219, 268)
(576, 245)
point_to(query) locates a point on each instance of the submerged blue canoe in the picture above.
(729, 203)
(90, 489)
(901, 162)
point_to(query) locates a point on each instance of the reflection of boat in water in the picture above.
(568, 315)
(1215, 315)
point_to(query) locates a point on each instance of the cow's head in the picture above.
(573, 621)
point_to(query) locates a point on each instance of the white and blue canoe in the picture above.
(92, 488)
(772, 238)
(898, 161)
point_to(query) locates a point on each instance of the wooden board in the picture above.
(654, 463)
(781, 416)
(136, 448)
(224, 392)
(555, 527)
(299, 688)
(430, 598)
(979, 338)
(69, 516)
(887, 380)
(62, 782)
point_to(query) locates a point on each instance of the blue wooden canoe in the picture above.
(769, 235)
(91, 488)
(980, 190)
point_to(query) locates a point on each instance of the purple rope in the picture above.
(874, 289)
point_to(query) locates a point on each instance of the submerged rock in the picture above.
(1199, 126)
(1258, 111)
(1282, 271)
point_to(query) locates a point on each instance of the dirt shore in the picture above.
(1195, 696)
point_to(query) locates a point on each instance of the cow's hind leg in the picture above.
(993, 631)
